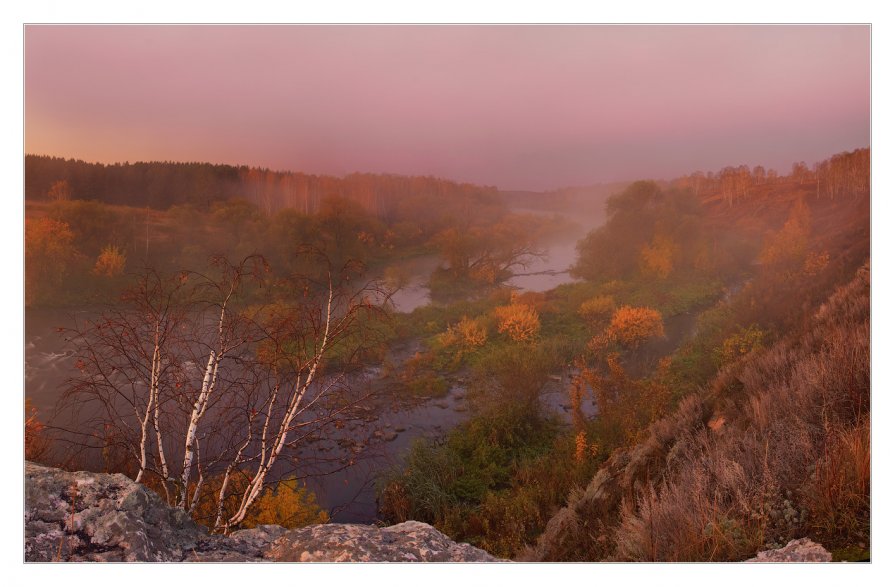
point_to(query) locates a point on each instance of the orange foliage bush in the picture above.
(630, 326)
(518, 321)
(110, 262)
(580, 447)
(36, 444)
(467, 334)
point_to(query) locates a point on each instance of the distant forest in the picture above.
(160, 185)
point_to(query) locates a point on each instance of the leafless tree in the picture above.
(224, 373)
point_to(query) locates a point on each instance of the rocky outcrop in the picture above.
(86, 516)
(797, 551)
(407, 542)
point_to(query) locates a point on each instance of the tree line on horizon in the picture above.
(389, 197)
(160, 185)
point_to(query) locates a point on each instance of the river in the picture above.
(360, 451)
(541, 274)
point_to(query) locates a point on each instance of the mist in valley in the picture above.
(561, 329)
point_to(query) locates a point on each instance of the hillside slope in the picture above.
(777, 448)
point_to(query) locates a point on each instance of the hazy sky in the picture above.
(519, 107)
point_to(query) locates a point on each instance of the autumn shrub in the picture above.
(110, 262)
(519, 322)
(462, 338)
(37, 445)
(741, 343)
(657, 258)
(597, 311)
(286, 504)
(631, 326)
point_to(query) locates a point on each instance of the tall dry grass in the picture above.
(777, 448)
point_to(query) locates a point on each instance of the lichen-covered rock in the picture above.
(97, 517)
(407, 542)
(797, 551)
(90, 516)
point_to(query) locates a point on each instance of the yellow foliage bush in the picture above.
(518, 321)
(36, 444)
(284, 503)
(788, 246)
(657, 258)
(467, 334)
(110, 262)
(630, 326)
(288, 505)
(596, 311)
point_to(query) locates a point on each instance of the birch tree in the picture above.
(127, 358)
(223, 375)
(325, 322)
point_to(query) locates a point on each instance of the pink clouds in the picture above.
(519, 107)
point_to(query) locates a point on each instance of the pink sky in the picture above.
(519, 107)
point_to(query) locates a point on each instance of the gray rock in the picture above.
(89, 516)
(407, 542)
(802, 550)
(97, 517)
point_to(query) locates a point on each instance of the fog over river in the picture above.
(360, 449)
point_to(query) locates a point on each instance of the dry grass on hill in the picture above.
(778, 448)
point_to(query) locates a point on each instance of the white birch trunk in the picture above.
(208, 383)
(195, 416)
(154, 397)
(144, 425)
(251, 493)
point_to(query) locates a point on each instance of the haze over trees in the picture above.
(241, 312)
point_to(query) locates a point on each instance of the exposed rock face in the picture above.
(87, 516)
(407, 542)
(96, 517)
(797, 551)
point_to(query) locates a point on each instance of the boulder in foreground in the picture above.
(86, 516)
